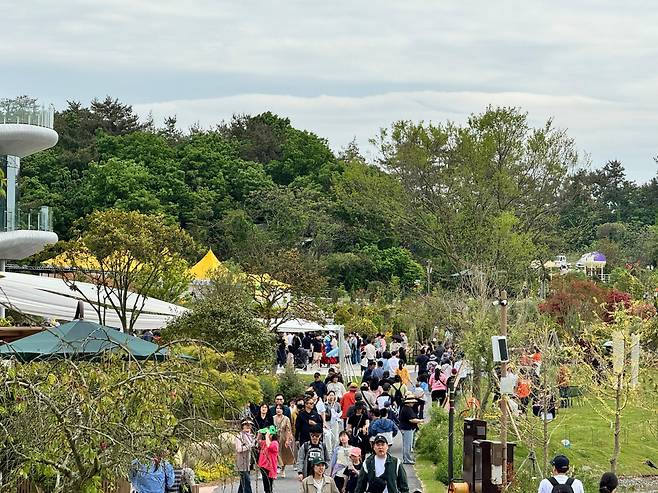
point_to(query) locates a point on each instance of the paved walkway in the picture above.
(290, 484)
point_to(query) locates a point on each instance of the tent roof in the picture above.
(81, 260)
(51, 297)
(81, 339)
(307, 326)
(202, 269)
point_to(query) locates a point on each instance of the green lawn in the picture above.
(426, 472)
(589, 429)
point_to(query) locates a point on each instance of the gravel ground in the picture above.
(640, 484)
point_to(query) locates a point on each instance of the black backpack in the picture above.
(561, 488)
(397, 397)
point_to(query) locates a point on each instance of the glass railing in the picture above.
(37, 218)
(26, 111)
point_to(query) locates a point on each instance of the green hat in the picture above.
(318, 460)
(271, 430)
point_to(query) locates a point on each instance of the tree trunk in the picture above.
(615, 452)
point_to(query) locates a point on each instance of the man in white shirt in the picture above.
(560, 482)
(371, 351)
(393, 363)
(381, 471)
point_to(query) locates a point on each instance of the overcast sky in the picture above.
(343, 69)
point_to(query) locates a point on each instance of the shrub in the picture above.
(268, 386)
(290, 384)
(432, 443)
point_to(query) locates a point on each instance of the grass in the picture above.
(426, 472)
(588, 426)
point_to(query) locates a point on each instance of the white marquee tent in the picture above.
(51, 298)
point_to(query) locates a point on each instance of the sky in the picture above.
(344, 69)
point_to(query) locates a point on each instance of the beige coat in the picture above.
(286, 455)
(327, 487)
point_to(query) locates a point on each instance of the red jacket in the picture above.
(348, 400)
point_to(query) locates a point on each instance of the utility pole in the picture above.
(503, 398)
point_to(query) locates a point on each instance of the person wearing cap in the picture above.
(318, 482)
(352, 470)
(310, 451)
(244, 443)
(409, 421)
(560, 482)
(268, 457)
(381, 472)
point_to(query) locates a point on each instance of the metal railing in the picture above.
(23, 218)
(24, 110)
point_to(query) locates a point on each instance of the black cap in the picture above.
(380, 439)
(560, 462)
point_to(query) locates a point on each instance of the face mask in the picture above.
(300, 406)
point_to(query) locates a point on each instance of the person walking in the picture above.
(340, 459)
(608, 483)
(335, 386)
(244, 443)
(284, 432)
(155, 477)
(352, 470)
(309, 451)
(268, 458)
(318, 482)
(409, 421)
(307, 420)
(438, 385)
(333, 418)
(560, 482)
(263, 418)
(349, 399)
(357, 428)
(383, 426)
(403, 373)
(381, 472)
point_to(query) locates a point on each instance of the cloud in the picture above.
(591, 64)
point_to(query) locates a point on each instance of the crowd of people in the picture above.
(338, 433)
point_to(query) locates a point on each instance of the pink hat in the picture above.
(355, 451)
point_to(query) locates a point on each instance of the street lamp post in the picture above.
(429, 276)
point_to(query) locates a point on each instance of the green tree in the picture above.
(223, 314)
(134, 254)
(471, 191)
(89, 420)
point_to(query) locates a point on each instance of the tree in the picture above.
(285, 285)
(88, 421)
(223, 314)
(472, 191)
(130, 255)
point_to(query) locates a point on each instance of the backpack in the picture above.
(397, 397)
(561, 488)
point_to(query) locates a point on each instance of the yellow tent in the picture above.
(202, 269)
(84, 261)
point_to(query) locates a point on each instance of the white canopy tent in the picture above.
(297, 326)
(51, 298)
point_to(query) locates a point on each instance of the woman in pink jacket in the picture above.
(437, 385)
(268, 458)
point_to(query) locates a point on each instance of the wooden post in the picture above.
(503, 399)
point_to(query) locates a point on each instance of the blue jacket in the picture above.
(149, 479)
(382, 425)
